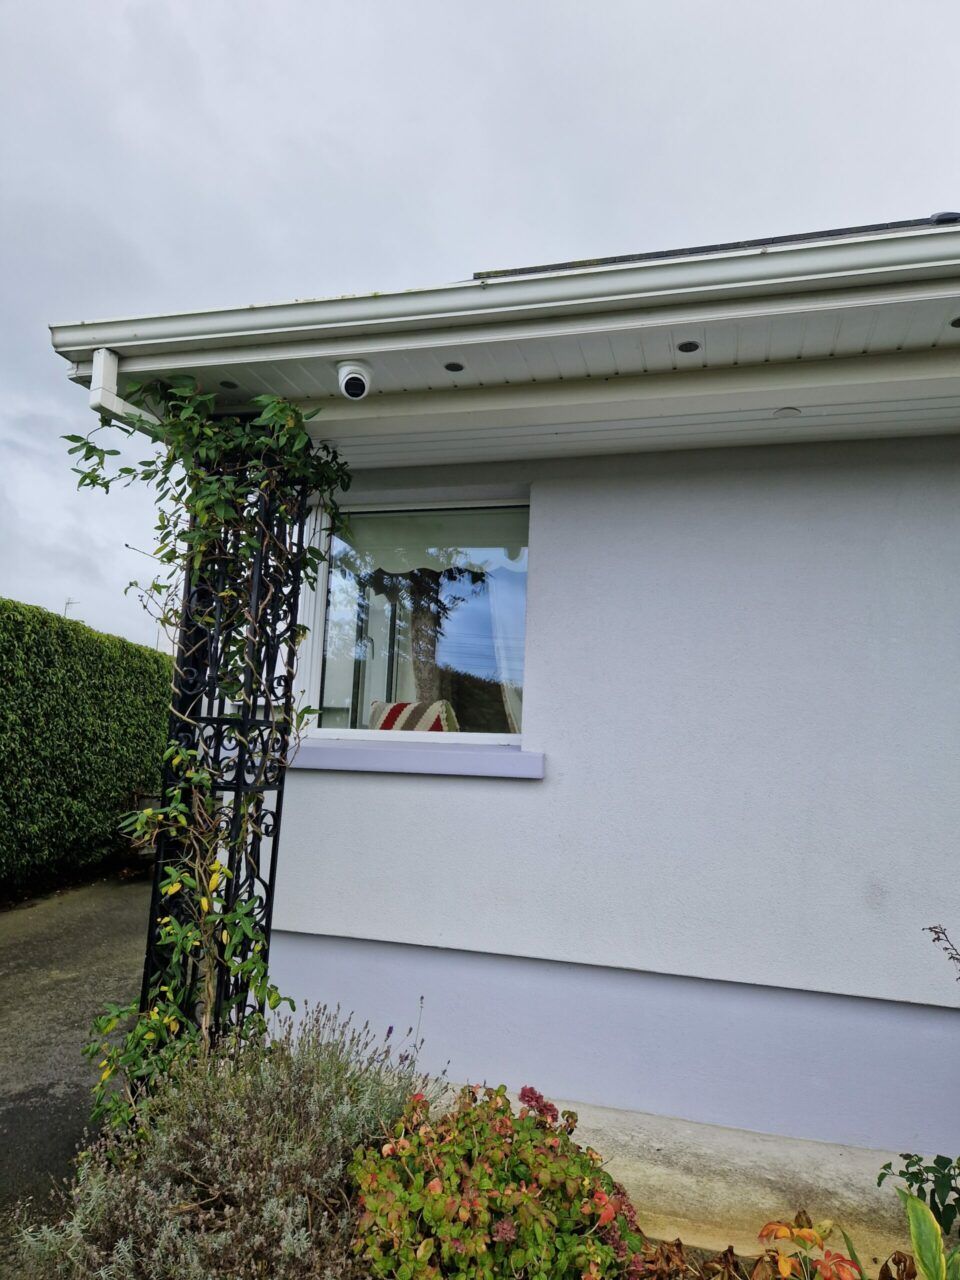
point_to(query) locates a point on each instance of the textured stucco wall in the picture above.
(744, 669)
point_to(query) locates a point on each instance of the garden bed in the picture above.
(324, 1152)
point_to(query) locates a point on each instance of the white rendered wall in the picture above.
(743, 667)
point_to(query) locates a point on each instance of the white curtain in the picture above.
(506, 617)
(399, 541)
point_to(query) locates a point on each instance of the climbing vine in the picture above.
(234, 495)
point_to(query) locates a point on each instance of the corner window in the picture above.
(425, 622)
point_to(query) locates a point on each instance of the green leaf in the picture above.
(926, 1238)
(851, 1251)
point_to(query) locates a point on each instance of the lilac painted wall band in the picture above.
(713, 1052)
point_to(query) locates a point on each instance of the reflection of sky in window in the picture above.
(483, 635)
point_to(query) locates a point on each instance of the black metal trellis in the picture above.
(232, 705)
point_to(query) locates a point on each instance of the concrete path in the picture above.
(61, 957)
(713, 1186)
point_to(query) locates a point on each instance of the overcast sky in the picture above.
(177, 154)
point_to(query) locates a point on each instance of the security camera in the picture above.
(354, 378)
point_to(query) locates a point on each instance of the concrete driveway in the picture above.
(61, 957)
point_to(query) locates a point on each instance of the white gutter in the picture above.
(103, 391)
(363, 343)
(923, 254)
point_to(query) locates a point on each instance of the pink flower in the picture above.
(535, 1100)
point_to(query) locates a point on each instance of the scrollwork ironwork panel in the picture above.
(233, 706)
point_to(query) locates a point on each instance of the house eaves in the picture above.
(923, 252)
(708, 347)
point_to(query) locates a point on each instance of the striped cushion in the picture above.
(432, 717)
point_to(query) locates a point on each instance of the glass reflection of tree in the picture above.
(420, 600)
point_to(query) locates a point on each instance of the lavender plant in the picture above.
(239, 1164)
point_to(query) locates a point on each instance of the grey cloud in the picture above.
(175, 155)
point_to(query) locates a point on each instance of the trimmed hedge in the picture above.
(83, 726)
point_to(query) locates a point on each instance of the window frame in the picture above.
(314, 614)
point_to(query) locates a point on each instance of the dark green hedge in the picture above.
(83, 723)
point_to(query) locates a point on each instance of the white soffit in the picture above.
(855, 332)
(908, 394)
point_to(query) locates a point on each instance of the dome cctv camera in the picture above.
(354, 378)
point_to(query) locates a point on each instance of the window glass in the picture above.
(425, 621)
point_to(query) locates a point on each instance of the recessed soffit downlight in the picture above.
(228, 385)
(453, 366)
(788, 411)
(688, 346)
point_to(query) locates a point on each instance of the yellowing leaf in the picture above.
(926, 1238)
(809, 1235)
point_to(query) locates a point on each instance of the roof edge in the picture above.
(730, 246)
(924, 250)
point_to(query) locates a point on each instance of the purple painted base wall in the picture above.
(868, 1073)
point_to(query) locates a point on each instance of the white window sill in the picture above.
(456, 759)
(406, 736)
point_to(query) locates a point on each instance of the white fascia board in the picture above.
(876, 259)
(737, 310)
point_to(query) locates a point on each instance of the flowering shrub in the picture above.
(482, 1192)
(238, 1170)
(797, 1249)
